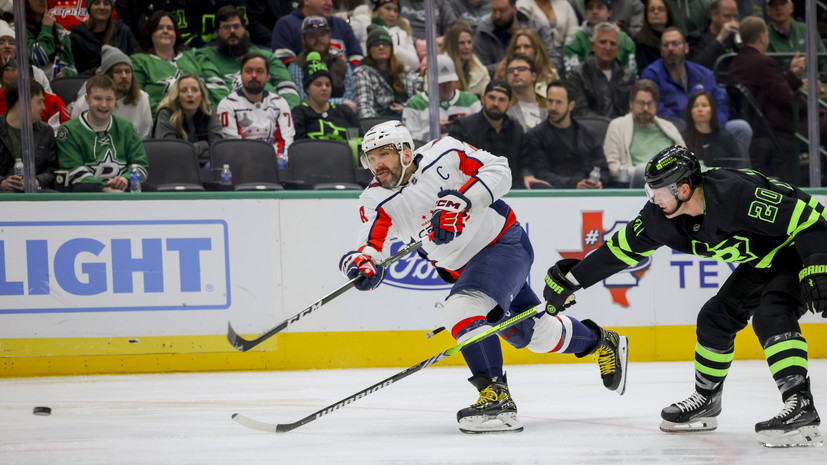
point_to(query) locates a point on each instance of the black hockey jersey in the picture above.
(748, 218)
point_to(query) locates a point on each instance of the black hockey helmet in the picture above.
(672, 165)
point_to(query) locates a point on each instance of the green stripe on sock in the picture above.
(788, 362)
(785, 345)
(714, 356)
(711, 371)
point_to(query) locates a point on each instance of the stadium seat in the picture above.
(67, 88)
(367, 123)
(252, 163)
(173, 165)
(323, 164)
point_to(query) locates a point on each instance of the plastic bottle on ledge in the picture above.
(623, 174)
(135, 180)
(226, 176)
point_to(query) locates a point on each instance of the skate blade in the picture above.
(623, 352)
(806, 436)
(698, 424)
(502, 423)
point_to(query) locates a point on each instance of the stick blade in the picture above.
(260, 425)
(237, 341)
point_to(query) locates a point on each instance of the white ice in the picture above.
(569, 418)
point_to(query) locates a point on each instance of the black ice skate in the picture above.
(612, 355)
(495, 411)
(697, 413)
(795, 426)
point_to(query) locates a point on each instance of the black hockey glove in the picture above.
(814, 283)
(559, 291)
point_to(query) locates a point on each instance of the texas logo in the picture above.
(593, 236)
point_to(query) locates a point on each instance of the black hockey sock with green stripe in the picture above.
(711, 368)
(787, 357)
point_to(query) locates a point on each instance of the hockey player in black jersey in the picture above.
(778, 236)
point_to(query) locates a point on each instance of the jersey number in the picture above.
(763, 208)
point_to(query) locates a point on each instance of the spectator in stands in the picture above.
(580, 44)
(100, 29)
(774, 91)
(48, 43)
(287, 34)
(263, 15)
(528, 108)
(54, 112)
(160, 59)
(788, 35)
(414, 12)
(458, 43)
(254, 113)
(386, 13)
(492, 130)
(185, 113)
(381, 83)
(98, 149)
(473, 11)
(600, 85)
(135, 13)
(658, 16)
(225, 56)
(633, 138)
(494, 34)
(562, 151)
(557, 15)
(527, 42)
(628, 15)
(11, 146)
(316, 38)
(317, 117)
(690, 15)
(677, 78)
(718, 38)
(200, 25)
(713, 145)
(132, 103)
(8, 51)
(453, 103)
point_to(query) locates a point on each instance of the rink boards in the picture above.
(93, 283)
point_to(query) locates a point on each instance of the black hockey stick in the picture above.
(283, 428)
(244, 345)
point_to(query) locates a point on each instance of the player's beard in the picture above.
(253, 87)
(391, 182)
(234, 50)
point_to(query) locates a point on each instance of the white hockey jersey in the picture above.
(269, 120)
(405, 212)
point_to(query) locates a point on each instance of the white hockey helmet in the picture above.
(388, 133)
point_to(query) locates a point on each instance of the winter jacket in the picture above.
(403, 46)
(374, 95)
(477, 131)
(87, 48)
(690, 15)
(673, 96)
(286, 40)
(597, 96)
(44, 150)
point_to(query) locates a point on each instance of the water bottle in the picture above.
(18, 168)
(594, 176)
(57, 66)
(737, 39)
(282, 161)
(623, 174)
(226, 175)
(135, 180)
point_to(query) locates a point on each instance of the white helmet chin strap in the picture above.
(402, 163)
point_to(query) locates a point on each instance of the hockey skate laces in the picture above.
(789, 406)
(695, 400)
(605, 360)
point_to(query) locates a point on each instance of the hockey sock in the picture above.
(787, 357)
(485, 357)
(583, 339)
(711, 368)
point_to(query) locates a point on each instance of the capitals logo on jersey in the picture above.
(593, 236)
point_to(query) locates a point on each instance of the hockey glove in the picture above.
(559, 291)
(449, 216)
(355, 264)
(814, 283)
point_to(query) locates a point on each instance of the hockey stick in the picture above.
(244, 345)
(283, 428)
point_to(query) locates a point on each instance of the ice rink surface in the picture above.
(569, 418)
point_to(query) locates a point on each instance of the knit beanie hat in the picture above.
(6, 30)
(376, 34)
(112, 56)
(314, 68)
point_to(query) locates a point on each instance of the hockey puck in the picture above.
(43, 411)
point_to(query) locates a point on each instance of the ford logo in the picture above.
(412, 272)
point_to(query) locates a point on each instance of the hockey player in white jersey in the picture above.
(451, 192)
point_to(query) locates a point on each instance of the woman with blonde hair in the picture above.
(458, 44)
(185, 113)
(527, 42)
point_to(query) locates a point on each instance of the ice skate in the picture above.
(697, 413)
(494, 412)
(612, 355)
(795, 426)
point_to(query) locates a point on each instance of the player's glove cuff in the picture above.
(559, 289)
(360, 265)
(813, 279)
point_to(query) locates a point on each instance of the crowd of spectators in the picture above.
(574, 93)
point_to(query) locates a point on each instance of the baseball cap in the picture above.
(498, 85)
(445, 69)
(314, 23)
(6, 30)
(608, 3)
